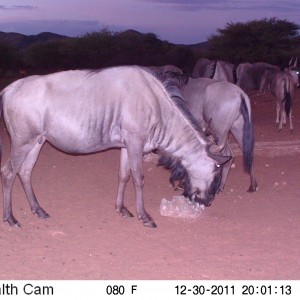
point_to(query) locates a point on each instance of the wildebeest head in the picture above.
(199, 183)
(293, 70)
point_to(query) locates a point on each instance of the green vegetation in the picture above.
(269, 40)
(95, 50)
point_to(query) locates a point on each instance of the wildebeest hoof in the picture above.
(124, 212)
(252, 189)
(147, 220)
(41, 213)
(12, 221)
(150, 224)
(292, 131)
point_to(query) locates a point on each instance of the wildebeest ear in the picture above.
(221, 160)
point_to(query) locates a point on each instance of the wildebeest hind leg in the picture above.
(291, 122)
(9, 171)
(124, 175)
(25, 177)
(253, 185)
(8, 177)
(277, 114)
(226, 167)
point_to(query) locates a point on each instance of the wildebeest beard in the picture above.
(179, 178)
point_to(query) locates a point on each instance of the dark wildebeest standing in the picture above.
(89, 111)
(264, 77)
(249, 76)
(226, 108)
(214, 69)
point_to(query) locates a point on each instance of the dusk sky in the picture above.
(177, 21)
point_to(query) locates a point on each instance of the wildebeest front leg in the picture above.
(135, 159)
(124, 175)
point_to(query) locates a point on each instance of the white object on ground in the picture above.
(180, 207)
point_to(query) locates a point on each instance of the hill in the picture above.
(22, 41)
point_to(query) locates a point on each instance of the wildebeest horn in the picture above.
(219, 147)
(221, 160)
(295, 62)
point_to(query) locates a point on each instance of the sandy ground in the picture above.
(241, 236)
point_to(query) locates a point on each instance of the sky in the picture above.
(176, 21)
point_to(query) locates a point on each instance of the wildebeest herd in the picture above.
(185, 120)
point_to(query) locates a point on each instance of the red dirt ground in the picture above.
(241, 236)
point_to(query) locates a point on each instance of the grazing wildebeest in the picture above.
(86, 111)
(214, 69)
(227, 108)
(202, 68)
(249, 76)
(242, 75)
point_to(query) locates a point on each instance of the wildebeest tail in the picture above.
(234, 74)
(248, 136)
(287, 98)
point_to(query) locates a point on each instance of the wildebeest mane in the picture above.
(172, 82)
(180, 178)
(178, 100)
(234, 74)
(178, 172)
(213, 69)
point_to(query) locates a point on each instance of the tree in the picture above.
(104, 48)
(44, 56)
(9, 59)
(270, 40)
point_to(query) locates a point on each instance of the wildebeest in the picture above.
(162, 71)
(249, 76)
(227, 108)
(282, 85)
(203, 68)
(214, 69)
(81, 112)
(265, 77)
(293, 70)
